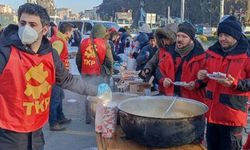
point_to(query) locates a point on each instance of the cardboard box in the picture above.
(138, 87)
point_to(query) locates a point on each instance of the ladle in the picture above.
(170, 106)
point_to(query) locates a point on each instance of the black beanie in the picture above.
(122, 30)
(151, 36)
(231, 27)
(188, 29)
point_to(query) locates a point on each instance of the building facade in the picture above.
(6, 9)
(7, 15)
(48, 4)
(124, 19)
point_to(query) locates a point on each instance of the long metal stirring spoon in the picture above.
(170, 106)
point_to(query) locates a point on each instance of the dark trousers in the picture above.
(56, 109)
(10, 140)
(221, 137)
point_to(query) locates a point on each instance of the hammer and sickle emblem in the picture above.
(38, 74)
(90, 53)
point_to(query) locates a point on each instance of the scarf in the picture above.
(184, 51)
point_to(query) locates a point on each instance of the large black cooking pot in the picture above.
(142, 119)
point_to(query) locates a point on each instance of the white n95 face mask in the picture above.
(27, 34)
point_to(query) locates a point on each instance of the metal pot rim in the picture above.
(155, 118)
(91, 98)
(162, 97)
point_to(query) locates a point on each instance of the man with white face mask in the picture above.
(29, 66)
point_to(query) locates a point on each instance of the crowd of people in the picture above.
(35, 67)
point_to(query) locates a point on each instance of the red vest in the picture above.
(90, 65)
(25, 89)
(227, 105)
(64, 54)
(186, 72)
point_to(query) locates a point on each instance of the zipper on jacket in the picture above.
(228, 66)
(191, 67)
(178, 76)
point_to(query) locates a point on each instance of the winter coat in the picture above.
(228, 105)
(152, 64)
(144, 56)
(76, 38)
(169, 31)
(142, 38)
(181, 69)
(122, 43)
(112, 47)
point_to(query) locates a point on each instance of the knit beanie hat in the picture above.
(98, 31)
(227, 17)
(122, 30)
(110, 30)
(231, 27)
(188, 29)
(151, 36)
(142, 38)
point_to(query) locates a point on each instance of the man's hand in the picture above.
(227, 82)
(202, 74)
(147, 71)
(167, 82)
(190, 85)
(143, 74)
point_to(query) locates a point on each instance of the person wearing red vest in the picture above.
(59, 42)
(228, 92)
(94, 53)
(93, 57)
(181, 62)
(53, 29)
(29, 66)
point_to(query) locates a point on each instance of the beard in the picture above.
(181, 45)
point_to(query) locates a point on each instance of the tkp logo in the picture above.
(90, 53)
(38, 74)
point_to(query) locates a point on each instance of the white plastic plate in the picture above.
(217, 76)
(181, 83)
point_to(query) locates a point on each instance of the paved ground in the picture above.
(78, 136)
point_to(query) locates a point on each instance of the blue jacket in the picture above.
(143, 58)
